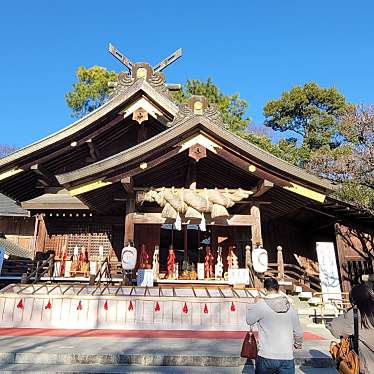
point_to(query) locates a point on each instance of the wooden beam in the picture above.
(262, 187)
(306, 192)
(94, 152)
(256, 228)
(142, 133)
(143, 166)
(191, 175)
(129, 221)
(156, 218)
(88, 187)
(128, 184)
(9, 173)
(49, 178)
(42, 183)
(65, 148)
(252, 169)
(201, 140)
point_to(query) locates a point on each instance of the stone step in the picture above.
(148, 359)
(120, 369)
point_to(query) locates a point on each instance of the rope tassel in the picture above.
(232, 308)
(20, 305)
(48, 305)
(206, 309)
(157, 307)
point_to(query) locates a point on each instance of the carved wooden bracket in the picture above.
(140, 115)
(197, 152)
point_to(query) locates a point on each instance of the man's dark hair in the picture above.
(271, 284)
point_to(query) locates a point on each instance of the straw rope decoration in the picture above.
(193, 203)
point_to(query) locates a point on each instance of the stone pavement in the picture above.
(103, 351)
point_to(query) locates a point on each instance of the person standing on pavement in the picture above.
(362, 297)
(279, 331)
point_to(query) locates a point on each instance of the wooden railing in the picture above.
(102, 273)
(296, 273)
(42, 268)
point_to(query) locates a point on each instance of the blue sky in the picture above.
(259, 48)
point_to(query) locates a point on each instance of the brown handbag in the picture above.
(249, 347)
(345, 352)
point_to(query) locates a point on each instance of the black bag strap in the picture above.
(355, 329)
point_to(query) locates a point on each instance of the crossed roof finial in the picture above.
(159, 67)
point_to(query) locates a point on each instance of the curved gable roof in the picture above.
(184, 128)
(86, 121)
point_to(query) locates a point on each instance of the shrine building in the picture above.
(143, 168)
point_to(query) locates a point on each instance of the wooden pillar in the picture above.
(36, 228)
(185, 242)
(256, 239)
(256, 227)
(248, 263)
(129, 220)
(341, 260)
(42, 235)
(280, 262)
(191, 176)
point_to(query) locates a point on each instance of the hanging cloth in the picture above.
(178, 223)
(202, 224)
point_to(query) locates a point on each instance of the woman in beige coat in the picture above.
(361, 296)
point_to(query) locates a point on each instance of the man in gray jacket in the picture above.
(279, 331)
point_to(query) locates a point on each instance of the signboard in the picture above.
(200, 271)
(2, 253)
(144, 278)
(238, 276)
(328, 271)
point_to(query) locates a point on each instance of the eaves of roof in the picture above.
(13, 249)
(177, 131)
(115, 102)
(9, 208)
(54, 201)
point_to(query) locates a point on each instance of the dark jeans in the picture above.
(269, 366)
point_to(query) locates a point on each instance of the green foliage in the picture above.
(352, 163)
(284, 149)
(358, 194)
(311, 112)
(232, 107)
(90, 91)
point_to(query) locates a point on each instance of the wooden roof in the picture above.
(59, 201)
(68, 133)
(185, 129)
(9, 208)
(30, 172)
